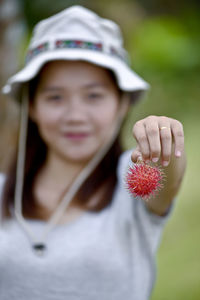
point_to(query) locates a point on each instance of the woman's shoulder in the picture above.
(125, 156)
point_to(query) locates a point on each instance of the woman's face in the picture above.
(74, 107)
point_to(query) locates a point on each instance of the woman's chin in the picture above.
(79, 157)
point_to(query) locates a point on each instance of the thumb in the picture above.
(136, 155)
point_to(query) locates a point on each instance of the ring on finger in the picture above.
(164, 127)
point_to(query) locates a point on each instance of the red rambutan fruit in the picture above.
(143, 180)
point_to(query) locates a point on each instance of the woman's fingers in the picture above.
(136, 155)
(166, 142)
(139, 133)
(155, 136)
(152, 132)
(178, 136)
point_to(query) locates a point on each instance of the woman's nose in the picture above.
(75, 111)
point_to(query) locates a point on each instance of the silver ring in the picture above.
(164, 127)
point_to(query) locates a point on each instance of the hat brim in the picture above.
(127, 79)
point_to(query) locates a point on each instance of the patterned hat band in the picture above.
(72, 44)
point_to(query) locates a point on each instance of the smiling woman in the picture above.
(66, 187)
(74, 105)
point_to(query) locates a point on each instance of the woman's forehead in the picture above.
(74, 73)
(65, 65)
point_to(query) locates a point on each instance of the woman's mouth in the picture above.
(76, 136)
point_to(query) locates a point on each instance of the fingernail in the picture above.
(178, 153)
(165, 163)
(155, 159)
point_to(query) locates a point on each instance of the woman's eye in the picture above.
(95, 96)
(54, 98)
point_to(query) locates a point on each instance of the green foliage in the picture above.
(166, 44)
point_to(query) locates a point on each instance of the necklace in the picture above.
(39, 249)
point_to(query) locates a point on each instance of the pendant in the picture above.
(39, 249)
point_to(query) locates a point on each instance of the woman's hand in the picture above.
(155, 137)
(161, 138)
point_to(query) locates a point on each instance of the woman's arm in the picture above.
(161, 139)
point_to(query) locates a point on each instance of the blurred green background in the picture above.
(163, 39)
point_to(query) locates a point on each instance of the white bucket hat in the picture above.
(77, 34)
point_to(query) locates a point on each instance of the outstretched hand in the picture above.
(161, 139)
(158, 138)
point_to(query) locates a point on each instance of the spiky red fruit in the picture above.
(143, 180)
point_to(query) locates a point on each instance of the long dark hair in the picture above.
(103, 177)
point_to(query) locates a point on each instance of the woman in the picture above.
(67, 201)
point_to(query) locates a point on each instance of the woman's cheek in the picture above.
(105, 117)
(47, 128)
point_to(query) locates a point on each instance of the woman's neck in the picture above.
(54, 179)
(59, 171)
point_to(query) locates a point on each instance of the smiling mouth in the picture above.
(76, 136)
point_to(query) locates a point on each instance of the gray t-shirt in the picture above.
(108, 255)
